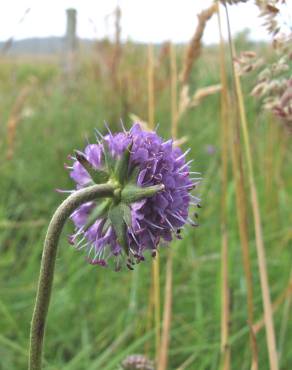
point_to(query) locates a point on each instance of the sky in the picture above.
(142, 20)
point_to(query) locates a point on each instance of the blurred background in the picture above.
(66, 67)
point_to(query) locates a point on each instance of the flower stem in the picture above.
(48, 265)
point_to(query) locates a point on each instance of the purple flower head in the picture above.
(152, 199)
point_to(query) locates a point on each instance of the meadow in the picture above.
(98, 317)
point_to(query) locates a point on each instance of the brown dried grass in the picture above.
(15, 118)
(194, 49)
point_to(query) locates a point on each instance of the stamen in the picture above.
(191, 186)
(194, 204)
(166, 219)
(183, 155)
(70, 239)
(151, 237)
(99, 133)
(192, 223)
(152, 224)
(185, 165)
(85, 245)
(99, 253)
(167, 142)
(79, 242)
(107, 127)
(90, 250)
(79, 231)
(177, 217)
(123, 127)
(134, 237)
(196, 199)
(194, 173)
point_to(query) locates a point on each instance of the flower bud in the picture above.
(135, 362)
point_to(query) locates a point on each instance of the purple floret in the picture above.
(153, 219)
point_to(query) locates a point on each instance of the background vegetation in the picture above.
(97, 317)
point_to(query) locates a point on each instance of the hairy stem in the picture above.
(48, 265)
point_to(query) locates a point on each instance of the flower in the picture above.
(151, 202)
(137, 362)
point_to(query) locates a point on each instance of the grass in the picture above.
(97, 317)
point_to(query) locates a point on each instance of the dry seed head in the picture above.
(202, 93)
(259, 90)
(283, 43)
(264, 75)
(232, 2)
(269, 12)
(270, 103)
(194, 48)
(249, 54)
(246, 62)
(184, 100)
(283, 108)
(273, 86)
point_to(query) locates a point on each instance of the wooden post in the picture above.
(70, 41)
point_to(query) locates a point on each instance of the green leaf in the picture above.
(127, 214)
(122, 165)
(106, 225)
(132, 193)
(116, 216)
(134, 175)
(108, 158)
(98, 212)
(98, 176)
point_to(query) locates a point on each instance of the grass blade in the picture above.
(268, 314)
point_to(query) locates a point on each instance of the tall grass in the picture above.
(155, 287)
(225, 135)
(98, 317)
(167, 313)
(231, 139)
(270, 333)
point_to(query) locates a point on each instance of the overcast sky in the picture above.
(142, 20)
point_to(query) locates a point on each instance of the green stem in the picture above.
(48, 265)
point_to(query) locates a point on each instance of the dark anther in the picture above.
(70, 239)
